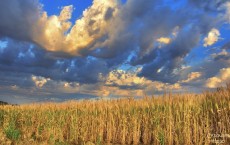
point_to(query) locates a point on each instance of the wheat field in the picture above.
(169, 119)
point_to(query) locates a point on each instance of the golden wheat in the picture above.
(170, 119)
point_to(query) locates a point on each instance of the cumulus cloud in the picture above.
(219, 80)
(212, 38)
(82, 36)
(48, 27)
(94, 31)
(26, 20)
(127, 80)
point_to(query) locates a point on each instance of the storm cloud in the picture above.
(18, 17)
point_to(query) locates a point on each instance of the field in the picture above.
(169, 119)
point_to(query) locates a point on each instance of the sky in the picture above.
(91, 49)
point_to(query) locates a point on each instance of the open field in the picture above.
(169, 119)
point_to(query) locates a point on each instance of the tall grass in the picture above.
(170, 119)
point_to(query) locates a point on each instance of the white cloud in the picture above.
(139, 86)
(120, 77)
(222, 53)
(164, 40)
(192, 77)
(66, 13)
(56, 33)
(212, 38)
(219, 80)
(119, 83)
(39, 81)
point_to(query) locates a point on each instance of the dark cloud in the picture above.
(171, 57)
(109, 13)
(211, 71)
(18, 17)
(137, 60)
(23, 57)
(222, 57)
(226, 46)
(137, 25)
(9, 79)
(207, 5)
(144, 22)
(162, 64)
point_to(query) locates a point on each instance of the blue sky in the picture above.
(81, 49)
(54, 7)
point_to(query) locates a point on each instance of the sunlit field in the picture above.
(169, 119)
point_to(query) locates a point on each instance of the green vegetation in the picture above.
(12, 133)
(169, 119)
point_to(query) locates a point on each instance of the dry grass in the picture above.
(170, 119)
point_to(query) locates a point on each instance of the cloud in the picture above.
(164, 40)
(212, 38)
(221, 79)
(18, 17)
(66, 13)
(26, 20)
(82, 36)
(192, 76)
(208, 68)
(125, 79)
(94, 29)
(170, 58)
(47, 27)
(121, 82)
(223, 55)
(208, 6)
(23, 57)
(39, 81)
(93, 33)
(226, 7)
